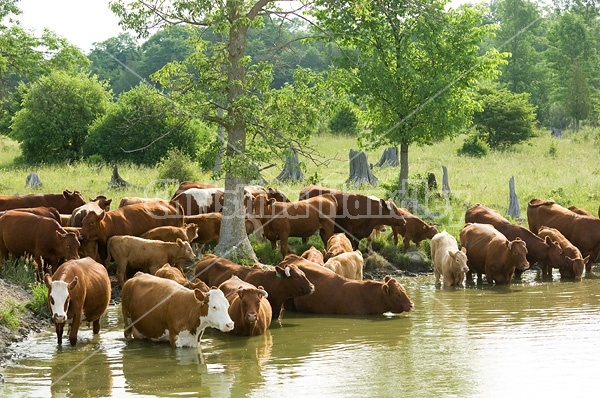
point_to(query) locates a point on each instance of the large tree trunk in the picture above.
(291, 170)
(360, 171)
(403, 180)
(388, 158)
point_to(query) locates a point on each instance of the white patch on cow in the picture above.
(164, 337)
(59, 293)
(287, 272)
(186, 339)
(218, 316)
(373, 197)
(203, 197)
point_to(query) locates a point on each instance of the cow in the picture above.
(357, 215)
(167, 271)
(23, 233)
(65, 203)
(248, 307)
(209, 228)
(582, 231)
(138, 253)
(43, 211)
(313, 254)
(184, 186)
(543, 251)
(87, 248)
(97, 205)
(272, 193)
(337, 244)
(347, 264)
(132, 200)
(580, 211)
(449, 262)
(204, 200)
(415, 230)
(161, 309)
(335, 294)
(187, 233)
(280, 220)
(281, 283)
(574, 261)
(491, 253)
(79, 291)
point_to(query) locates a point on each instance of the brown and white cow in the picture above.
(415, 230)
(161, 309)
(167, 271)
(281, 283)
(357, 215)
(65, 203)
(96, 205)
(337, 244)
(582, 231)
(539, 250)
(169, 233)
(272, 193)
(184, 186)
(204, 200)
(347, 264)
(23, 233)
(79, 291)
(335, 294)
(449, 262)
(491, 253)
(248, 307)
(574, 261)
(313, 254)
(138, 253)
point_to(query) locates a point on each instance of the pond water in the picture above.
(530, 338)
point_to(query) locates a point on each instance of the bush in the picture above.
(474, 146)
(39, 303)
(177, 166)
(9, 315)
(344, 122)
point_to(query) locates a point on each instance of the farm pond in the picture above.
(531, 338)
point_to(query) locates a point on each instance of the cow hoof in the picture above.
(73, 342)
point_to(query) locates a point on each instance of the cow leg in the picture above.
(305, 240)
(121, 272)
(96, 326)
(74, 329)
(395, 237)
(284, 246)
(406, 242)
(517, 274)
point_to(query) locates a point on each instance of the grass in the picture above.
(20, 271)
(10, 315)
(39, 302)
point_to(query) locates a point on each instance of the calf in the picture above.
(335, 294)
(415, 230)
(168, 233)
(491, 253)
(347, 264)
(448, 262)
(281, 283)
(248, 308)
(337, 244)
(161, 309)
(313, 254)
(140, 253)
(574, 261)
(79, 291)
(87, 248)
(167, 271)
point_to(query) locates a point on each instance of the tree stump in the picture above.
(445, 184)
(33, 181)
(291, 170)
(431, 182)
(514, 209)
(116, 182)
(360, 172)
(389, 158)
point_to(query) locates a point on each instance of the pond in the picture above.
(530, 338)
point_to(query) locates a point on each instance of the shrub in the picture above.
(474, 146)
(177, 165)
(9, 315)
(553, 150)
(344, 122)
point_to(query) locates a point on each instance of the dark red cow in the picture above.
(248, 307)
(415, 230)
(574, 262)
(65, 203)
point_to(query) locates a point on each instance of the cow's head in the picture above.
(191, 231)
(214, 309)
(294, 280)
(574, 268)
(250, 302)
(68, 244)
(518, 252)
(459, 259)
(554, 253)
(59, 298)
(91, 225)
(185, 250)
(313, 254)
(75, 199)
(276, 194)
(396, 296)
(430, 230)
(102, 201)
(260, 205)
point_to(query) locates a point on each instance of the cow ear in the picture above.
(179, 242)
(548, 241)
(463, 249)
(199, 295)
(586, 259)
(271, 201)
(508, 244)
(73, 283)
(58, 233)
(452, 254)
(279, 271)
(48, 280)
(108, 202)
(67, 193)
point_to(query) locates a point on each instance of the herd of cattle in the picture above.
(73, 242)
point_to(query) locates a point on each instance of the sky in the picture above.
(81, 22)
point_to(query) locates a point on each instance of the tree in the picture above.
(56, 114)
(344, 121)
(219, 76)
(577, 96)
(416, 66)
(141, 127)
(506, 118)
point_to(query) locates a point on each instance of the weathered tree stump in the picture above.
(389, 158)
(514, 209)
(360, 172)
(116, 182)
(445, 184)
(431, 182)
(291, 170)
(33, 181)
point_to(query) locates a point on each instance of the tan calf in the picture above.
(347, 264)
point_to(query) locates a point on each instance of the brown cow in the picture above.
(79, 291)
(357, 215)
(87, 248)
(187, 233)
(574, 261)
(347, 264)
(209, 228)
(539, 250)
(161, 309)
(139, 253)
(489, 252)
(313, 254)
(377, 231)
(280, 220)
(580, 211)
(415, 230)
(337, 244)
(281, 283)
(167, 271)
(132, 200)
(96, 205)
(335, 294)
(65, 203)
(24, 233)
(249, 311)
(582, 231)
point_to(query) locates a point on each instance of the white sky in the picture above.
(81, 22)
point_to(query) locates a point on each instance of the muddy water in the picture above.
(530, 339)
